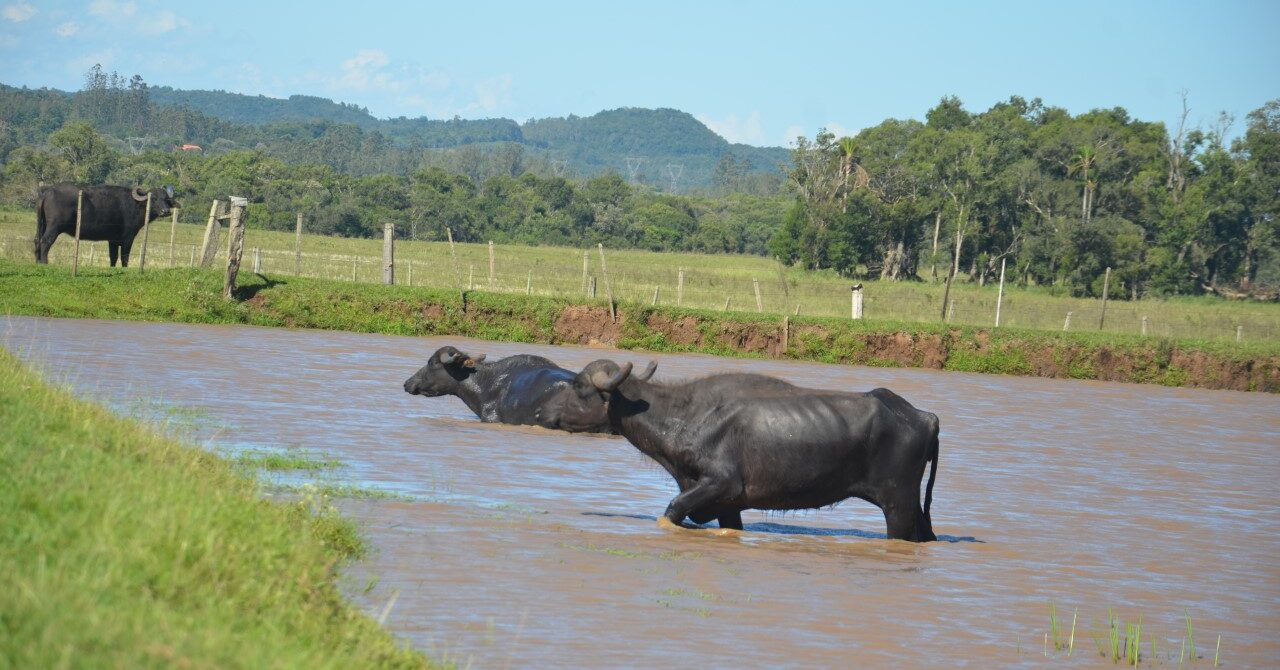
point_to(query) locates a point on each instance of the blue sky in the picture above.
(759, 73)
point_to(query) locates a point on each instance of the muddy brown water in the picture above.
(524, 547)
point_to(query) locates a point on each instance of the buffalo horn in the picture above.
(648, 371)
(139, 194)
(479, 358)
(608, 384)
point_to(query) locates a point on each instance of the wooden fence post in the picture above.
(855, 302)
(786, 334)
(75, 259)
(297, 245)
(1106, 284)
(1000, 294)
(726, 303)
(146, 230)
(173, 236)
(491, 265)
(755, 284)
(410, 261)
(591, 290)
(1239, 333)
(528, 284)
(257, 260)
(951, 310)
(388, 253)
(471, 277)
(608, 288)
(209, 248)
(1144, 325)
(235, 245)
(585, 263)
(1066, 323)
(353, 271)
(680, 289)
(797, 310)
(453, 254)
(656, 289)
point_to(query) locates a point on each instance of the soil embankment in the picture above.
(194, 296)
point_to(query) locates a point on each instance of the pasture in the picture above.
(713, 282)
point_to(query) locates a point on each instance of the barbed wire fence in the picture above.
(569, 273)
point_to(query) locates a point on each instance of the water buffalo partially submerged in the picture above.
(111, 213)
(742, 441)
(521, 389)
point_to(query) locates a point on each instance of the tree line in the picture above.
(1056, 198)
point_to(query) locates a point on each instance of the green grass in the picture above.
(285, 461)
(709, 279)
(194, 296)
(124, 548)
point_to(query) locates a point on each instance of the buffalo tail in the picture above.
(933, 471)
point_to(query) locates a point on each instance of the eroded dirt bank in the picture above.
(531, 548)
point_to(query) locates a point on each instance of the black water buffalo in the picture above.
(522, 389)
(734, 442)
(111, 213)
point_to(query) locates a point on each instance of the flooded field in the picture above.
(522, 547)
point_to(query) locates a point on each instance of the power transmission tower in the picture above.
(558, 167)
(674, 171)
(633, 166)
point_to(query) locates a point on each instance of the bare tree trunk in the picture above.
(937, 227)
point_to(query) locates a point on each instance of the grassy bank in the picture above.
(122, 548)
(194, 296)
(640, 276)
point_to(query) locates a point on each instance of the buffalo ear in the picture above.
(469, 363)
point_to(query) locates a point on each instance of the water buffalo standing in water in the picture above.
(111, 213)
(734, 442)
(522, 389)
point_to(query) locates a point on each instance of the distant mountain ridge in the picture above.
(654, 145)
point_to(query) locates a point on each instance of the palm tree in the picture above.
(1084, 160)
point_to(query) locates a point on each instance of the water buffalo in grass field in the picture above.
(111, 213)
(743, 441)
(523, 389)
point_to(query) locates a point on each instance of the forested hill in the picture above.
(657, 146)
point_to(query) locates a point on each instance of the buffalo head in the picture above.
(446, 368)
(162, 202)
(601, 378)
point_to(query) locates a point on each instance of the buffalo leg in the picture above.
(731, 520)
(113, 250)
(44, 244)
(125, 247)
(904, 519)
(697, 496)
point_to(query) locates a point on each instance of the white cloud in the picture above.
(492, 94)
(413, 90)
(792, 132)
(364, 72)
(105, 58)
(66, 29)
(112, 9)
(18, 12)
(747, 130)
(159, 23)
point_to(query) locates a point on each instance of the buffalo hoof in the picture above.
(667, 524)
